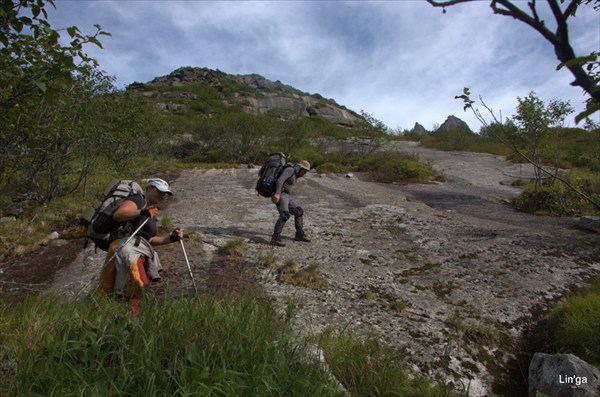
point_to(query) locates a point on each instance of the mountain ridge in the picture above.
(253, 93)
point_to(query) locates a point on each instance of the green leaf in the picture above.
(591, 108)
(41, 85)
(72, 31)
(35, 11)
(18, 26)
(575, 61)
(95, 41)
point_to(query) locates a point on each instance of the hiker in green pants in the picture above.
(286, 205)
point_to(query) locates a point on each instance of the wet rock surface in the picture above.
(449, 274)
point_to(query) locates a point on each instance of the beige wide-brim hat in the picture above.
(305, 165)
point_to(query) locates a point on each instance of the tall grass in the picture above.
(184, 347)
(575, 324)
(199, 346)
(366, 367)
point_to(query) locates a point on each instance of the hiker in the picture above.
(130, 265)
(286, 205)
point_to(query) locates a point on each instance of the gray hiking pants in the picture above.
(286, 207)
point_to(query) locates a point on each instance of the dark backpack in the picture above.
(268, 174)
(102, 228)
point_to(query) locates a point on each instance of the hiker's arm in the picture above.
(161, 240)
(285, 175)
(127, 211)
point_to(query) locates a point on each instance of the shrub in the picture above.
(332, 168)
(557, 199)
(313, 155)
(394, 167)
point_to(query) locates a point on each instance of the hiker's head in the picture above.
(302, 168)
(156, 190)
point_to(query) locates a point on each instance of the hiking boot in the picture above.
(301, 237)
(276, 241)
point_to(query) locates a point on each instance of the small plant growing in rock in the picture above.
(309, 277)
(166, 222)
(234, 248)
(482, 335)
(267, 261)
(366, 294)
(398, 306)
(455, 322)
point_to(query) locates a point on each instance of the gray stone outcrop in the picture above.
(562, 375)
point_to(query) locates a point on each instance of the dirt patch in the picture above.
(35, 270)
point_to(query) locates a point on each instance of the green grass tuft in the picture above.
(234, 248)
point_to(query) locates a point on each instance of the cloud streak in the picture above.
(400, 61)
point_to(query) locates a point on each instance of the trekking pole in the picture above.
(129, 239)
(188, 265)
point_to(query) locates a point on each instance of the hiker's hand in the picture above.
(149, 212)
(275, 198)
(176, 235)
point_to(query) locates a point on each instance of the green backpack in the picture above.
(269, 173)
(102, 228)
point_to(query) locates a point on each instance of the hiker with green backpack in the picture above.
(131, 261)
(276, 180)
(285, 203)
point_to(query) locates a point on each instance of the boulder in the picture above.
(14, 212)
(591, 223)
(562, 375)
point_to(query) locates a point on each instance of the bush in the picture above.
(332, 168)
(313, 155)
(394, 167)
(554, 198)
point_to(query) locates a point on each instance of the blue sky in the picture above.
(400, 61)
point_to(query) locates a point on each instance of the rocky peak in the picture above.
(454, 123)
(419, 129)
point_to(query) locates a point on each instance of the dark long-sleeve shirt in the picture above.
(286, 181)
